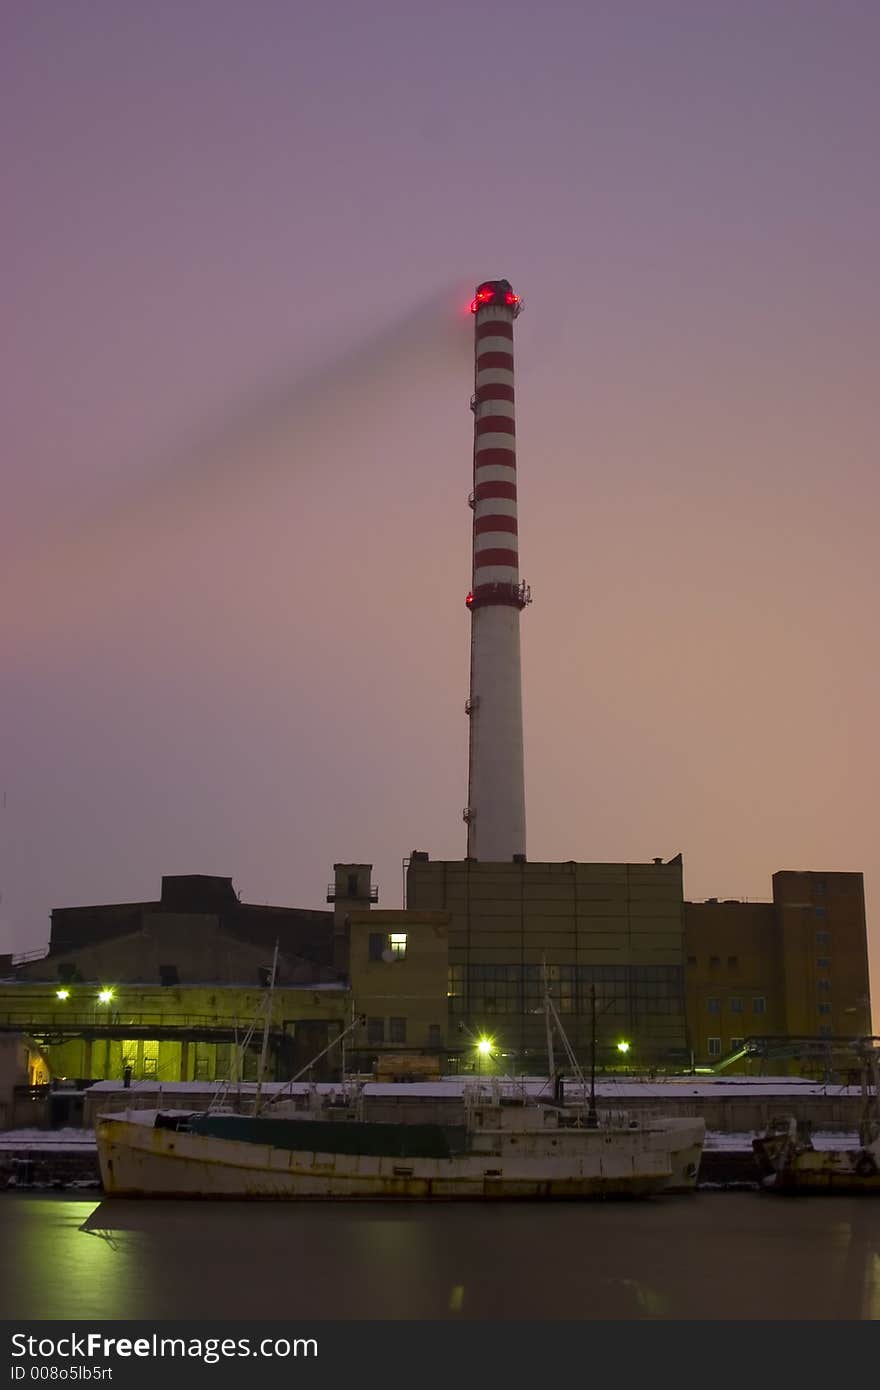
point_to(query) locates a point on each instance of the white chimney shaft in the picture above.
(495, 812)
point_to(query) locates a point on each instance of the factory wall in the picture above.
(399, 966)
(793, 967)
(617, 928)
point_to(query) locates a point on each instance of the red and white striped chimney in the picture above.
(495, 813)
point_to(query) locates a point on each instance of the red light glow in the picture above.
(469, 600)
(511, 298)
(485, 295)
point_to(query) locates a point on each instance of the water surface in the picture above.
(713, 1255)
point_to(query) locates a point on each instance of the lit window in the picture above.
(398, 944)
(714, 1006)
(736, 1004)
(759, 1004)
(714, 1046)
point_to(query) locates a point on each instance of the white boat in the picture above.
(509, 1147)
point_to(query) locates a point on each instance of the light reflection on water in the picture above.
(733, 1255)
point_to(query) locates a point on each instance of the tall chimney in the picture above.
(495, 813)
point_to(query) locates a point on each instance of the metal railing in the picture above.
(337, 893)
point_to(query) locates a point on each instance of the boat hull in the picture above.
(138, 1160)
(788, 1166)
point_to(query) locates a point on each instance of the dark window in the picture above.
(819, 885)
(397, 1030)
(735, 1044)
(378, 943)
(826, 1030)
(823, 963)
(732, 962)
(435, 1036)
(714, 1006)
(759, 1004)
(692, 960)
(352, 885)
(67, 972)
(714, 962)
(824, 1008)
(714, 1045)
(824, 986)
(820, 912)
(823, 938)
(375, 1030)
(168, 975)
(736, 1004)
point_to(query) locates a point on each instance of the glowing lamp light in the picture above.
(623, 1047)
(511, 298)
(62, 994)
(484, 1046)
(484, 295)
(469, 600)
(105, 996)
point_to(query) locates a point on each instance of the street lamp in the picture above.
(62, 994)
(623, 1046)
(105, 996)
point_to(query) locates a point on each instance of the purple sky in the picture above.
(237, 243)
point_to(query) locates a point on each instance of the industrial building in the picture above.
(642, 979)
(613, 932)
(793, 969)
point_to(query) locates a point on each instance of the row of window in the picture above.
(519, 989)
(713, 1045)
(735, 1004)
(592, 974)
(393, 1030)
(478, 1002)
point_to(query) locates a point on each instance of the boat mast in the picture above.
(592, 1117)
(261, 1073)
(548, 1024)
